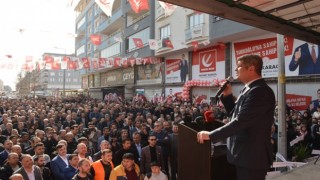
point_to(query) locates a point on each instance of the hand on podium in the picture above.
(202, 136)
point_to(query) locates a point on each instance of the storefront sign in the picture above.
(117, 77)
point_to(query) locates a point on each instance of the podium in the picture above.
(195, 161)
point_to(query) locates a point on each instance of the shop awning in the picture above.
(296, 18)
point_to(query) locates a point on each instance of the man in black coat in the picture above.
(248, 132)
(10, 166)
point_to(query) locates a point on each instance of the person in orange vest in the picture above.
(101, 169)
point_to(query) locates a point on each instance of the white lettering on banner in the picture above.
(111, 78)
(127, 76)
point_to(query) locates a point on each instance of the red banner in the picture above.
(102, 62)
(117, 62)
(48, 59)
(85, 63)
(132, 61)
(172, 65)
(138, 42)
(95, 39)
(262, 47)
(95, 63)
(72, 65)
(298, 102)
(168, 43)
(139, 5)
(195, 45)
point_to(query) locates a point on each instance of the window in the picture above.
(165, 32)
(68, 74)
(60, 80)
(89, 15)
(51, 79)
(96, 9)
(89, 47)
(144, 35)
(111, 51)
(60, 73)
(196, 20)
(75, 79)
(89, 29)
(81, 22)
(80, 50)
(52, 73)
(96, 24)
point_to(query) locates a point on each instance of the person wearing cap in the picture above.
(156, 173)
(127, 169)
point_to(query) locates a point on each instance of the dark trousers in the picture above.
(250, 174)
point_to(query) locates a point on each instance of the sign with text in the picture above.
(117, 77)
(298, 102)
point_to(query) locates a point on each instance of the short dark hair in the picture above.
(128, 156)
(59, 146)
(124, 140)
(38, 145)
(106, 151)
(36, 158)
(71, 156)
(252, 60)
(80, 163)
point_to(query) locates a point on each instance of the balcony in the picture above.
(112, 23)
(110, 40)
(160, 13)
(196, 32)
(162, 46)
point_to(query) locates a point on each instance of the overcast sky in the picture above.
(44, 24)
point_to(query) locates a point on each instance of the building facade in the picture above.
(203, 48)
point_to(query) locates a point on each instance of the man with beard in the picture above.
(84, 170)
(39, 160)
(28, 170)
(101, 169)
(104, 145)
(10, 166)
(72, 168)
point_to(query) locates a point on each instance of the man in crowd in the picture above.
(151, 153)
(10, 166)
(101, 169)
(84, 170)
(173, 142)
(28, 170)
(127, 169)
(72, 167)
(59, 163)
(39, 150)
(39, 161)
(7, 149)
(126, 144)
(103, 145)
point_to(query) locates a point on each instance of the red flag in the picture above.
(102, 62)
(86, 63)
(95, 39)
(72, 65)
(168, 43)
(55, 65)
(48, 59)
(132, 61)
(124, 62)
(117, 62)
(138, 42)
(195, 45)
(221, 45)
(146, 60)
(139, 5)
(95, 63)
(66, 58)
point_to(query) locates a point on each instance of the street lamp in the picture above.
(64, 73)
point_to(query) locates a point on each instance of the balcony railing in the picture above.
(194, 32)
(162, 46)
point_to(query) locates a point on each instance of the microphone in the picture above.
(222, 88)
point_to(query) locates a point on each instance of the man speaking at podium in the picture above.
(251, 117)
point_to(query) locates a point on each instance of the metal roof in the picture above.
(296, 18)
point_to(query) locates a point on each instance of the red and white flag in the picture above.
(195, 45)
(168, 8)
(139, 5)
(124, 62)
(64, 64)
(138, 61)
(85, 63)
(109, 62)
(138, 42)
(102, 62)
(117, 62)
(95, 39)
(168, 43)
(106, 6)
(48, 59)
(95, 63)
(132, 61)
(153, 44)
(72, 65)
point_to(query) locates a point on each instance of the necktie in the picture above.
(313, 55)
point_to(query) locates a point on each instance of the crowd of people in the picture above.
(84, 138)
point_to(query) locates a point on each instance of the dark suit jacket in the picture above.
(305, 63)
(183, 67)
(3, 157)
(37, 173)
(146, 159)
(57, 166)
(249, 129)
(96, 156)
(69, 172)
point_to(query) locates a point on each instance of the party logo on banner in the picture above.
(207, 60)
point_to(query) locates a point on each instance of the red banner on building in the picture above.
(298, 102)
(102, 62)
(138, 42)
(139, 5)
(95, 39)
(262, 47)
(85, 63)
(172, 65)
